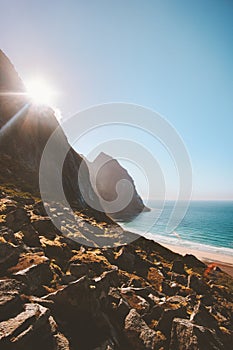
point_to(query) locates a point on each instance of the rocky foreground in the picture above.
(56, 294)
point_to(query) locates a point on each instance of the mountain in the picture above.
(25, 130)
(59, 290)
(106, 172)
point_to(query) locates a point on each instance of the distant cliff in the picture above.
(106, 172)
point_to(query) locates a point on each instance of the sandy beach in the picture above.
(225, 262)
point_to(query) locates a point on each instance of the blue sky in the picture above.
(175, 57)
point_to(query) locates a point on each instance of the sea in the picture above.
(206, 226)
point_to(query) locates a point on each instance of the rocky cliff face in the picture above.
(106, 173)
(25, 130)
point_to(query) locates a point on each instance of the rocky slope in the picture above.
(58, 294)
(106, 172)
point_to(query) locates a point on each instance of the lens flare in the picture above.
(40, 92)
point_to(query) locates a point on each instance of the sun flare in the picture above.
(40, 92)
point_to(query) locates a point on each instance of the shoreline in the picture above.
(224, 262)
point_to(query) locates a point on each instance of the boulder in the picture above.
(201, 316)
(45, 227)
(107, 279)
(178, 267)
(55, 249)
(78, 295)
(9, 255)
(21, 331)
(135, 301)
(10, 301)
(170, 288)
(156, 278)
(78, 270)
(125, 259)
(38, 209)
(139, 335)
(167, 316)
(30, 236)
(188, 336)
(17, 218)
(154, 314)
(122, 310)
(35, 276)
(60, 342)
(198, 284)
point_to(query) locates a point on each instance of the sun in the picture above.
(40, 92)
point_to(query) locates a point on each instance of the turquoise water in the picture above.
(207, 225)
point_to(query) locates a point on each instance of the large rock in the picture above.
(36, 275)
(187, 336)
(45, 227)
(202, 316)
(30, 236)
(167, 316)
(125, 259)
(198, 284)
(20, 331)
(79, 306)
(16, 219)
(140, 335)
(9, 255)
(10, 301)
(61, 342)
(178, 267)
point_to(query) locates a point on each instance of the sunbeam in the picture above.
(8, 125)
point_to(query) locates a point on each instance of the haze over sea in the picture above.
(207, 226)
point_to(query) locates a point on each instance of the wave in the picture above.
(179, 242)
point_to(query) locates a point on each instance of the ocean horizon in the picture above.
(206, 226)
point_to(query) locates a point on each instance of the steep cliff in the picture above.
(25, 130)
(106, 172)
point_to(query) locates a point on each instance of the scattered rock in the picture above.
(168, 314)
(17, 218)
(136, 302)
(125, 260)
(78, 270)
(202, 317)
(140, 335)
(45, 227)
(38, 209)
(178, 267)
(21, 331)
(35, 276)
(61, 342)
(30, 236)
(187, 336)
(197, 284)
(10, 301)
(9, 255)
